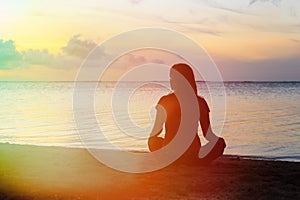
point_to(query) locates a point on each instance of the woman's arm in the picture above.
(155, 142)
(160, 119)
(205, 122)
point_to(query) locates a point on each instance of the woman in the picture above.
(169, 115)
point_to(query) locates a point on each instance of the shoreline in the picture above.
(38, 172)
(250, 157)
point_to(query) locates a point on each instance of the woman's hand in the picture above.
(155, 143)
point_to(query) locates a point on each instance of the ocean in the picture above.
(261, 118)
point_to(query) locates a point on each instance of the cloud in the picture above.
(193, 26)
(294, 40)
(136, 60)
(217, 5)
(273, 69)
(276, 28)
(38, 57)
(232, 10)
(135, 1)
(72, 55)
(78, 47)
(158, 61)
(142, 59)
(9, 56)
(294, 11)
(44, 58)
(274, 2)
(193, 29)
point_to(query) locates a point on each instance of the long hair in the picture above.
(187, 72)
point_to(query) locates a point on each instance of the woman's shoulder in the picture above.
(202, 103)
(173, 96)
(200, 98)
(166, 98)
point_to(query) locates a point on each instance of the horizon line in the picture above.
(228, 81)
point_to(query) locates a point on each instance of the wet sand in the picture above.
(32, 172)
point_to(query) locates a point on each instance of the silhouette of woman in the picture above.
(169, 115)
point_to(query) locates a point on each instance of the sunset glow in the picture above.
(234, 33)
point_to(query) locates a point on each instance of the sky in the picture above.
(249, 40)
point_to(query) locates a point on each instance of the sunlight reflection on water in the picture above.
(262, 118)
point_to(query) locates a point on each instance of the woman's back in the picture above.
(173, 111)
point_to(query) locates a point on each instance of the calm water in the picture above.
(262, 118)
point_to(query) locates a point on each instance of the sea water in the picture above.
(259, 118)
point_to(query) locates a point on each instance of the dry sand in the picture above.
(32, 172)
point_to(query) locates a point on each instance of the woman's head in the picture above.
(184, 70)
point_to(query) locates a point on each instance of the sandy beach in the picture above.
(33, 172)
